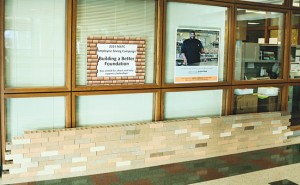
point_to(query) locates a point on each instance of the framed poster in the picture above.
(197, 55)
(115, 60)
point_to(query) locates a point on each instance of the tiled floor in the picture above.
(199, 171)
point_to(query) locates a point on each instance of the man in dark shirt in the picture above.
(191, 50)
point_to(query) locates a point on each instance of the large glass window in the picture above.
(261, 99)
(196, 37)
(35, 42)
(104, 27)
(114, 109)
(296, 3)
(294, 105)
(259, 37)
(193, 103)
(279, 2)
(295, 47)
(24, 114)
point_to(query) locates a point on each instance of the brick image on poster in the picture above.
(115, 60)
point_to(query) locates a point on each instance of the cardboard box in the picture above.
(268, 104)
(245, 103)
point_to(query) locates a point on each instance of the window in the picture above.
(34, 113)
(259, 52)
(211, 31)
(114, 108)
(294, 104)
(35, 42)
(296, 3)
(278, 2)
(104, 22)
(295, 48)
(184, 104)
(256, 99)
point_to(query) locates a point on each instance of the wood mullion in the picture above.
(2, 60)
(69, 17)
(73, 44)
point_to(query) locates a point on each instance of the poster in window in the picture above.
(197, 55)
(115, 60)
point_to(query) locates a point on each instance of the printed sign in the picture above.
(197, 55)
(115, 60)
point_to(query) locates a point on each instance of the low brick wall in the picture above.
(48, 154)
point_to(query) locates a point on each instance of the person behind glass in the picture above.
(191, 50)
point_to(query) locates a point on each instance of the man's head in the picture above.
(192, 34)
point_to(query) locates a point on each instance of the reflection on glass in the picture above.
(193, 104)
(35, 43)
(114, 109)
(295, 47)
(23, 114)
(296, 2)
(258, 45)
(261, 99)
(280, 2)
(294, 104)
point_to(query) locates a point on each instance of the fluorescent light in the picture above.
(255, 11)
(253, 23)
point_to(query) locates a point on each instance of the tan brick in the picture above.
(32, 134)
(39, 140)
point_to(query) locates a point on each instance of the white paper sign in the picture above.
(116, 59)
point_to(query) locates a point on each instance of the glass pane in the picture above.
(193, 104)
(294, 104)
(205, 65)
(35, 43)
(114, 21)
(295, 47)
(113, 109)
(259, 52)
(296, 3)
(280, 2)
(23, 114)
(261, 99)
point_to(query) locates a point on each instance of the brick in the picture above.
(32, 134)
(88, 145)
(66, 132)
(82, 141)
(79, 159)
(9, 165)
(20, 141)
(39, 140)
(49, 153)
(123, 163)
(97, 148)
(18, 171)
(78, 169)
